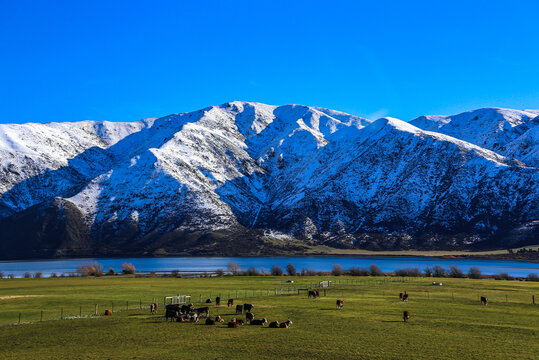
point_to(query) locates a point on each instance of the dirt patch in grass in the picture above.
(17, 296)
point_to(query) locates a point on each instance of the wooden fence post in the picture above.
(127, 305)
(80, 311)
(112, 305)
(41, 318)
(19, 317)
(95, 309)
(533, 299)
(62, 314)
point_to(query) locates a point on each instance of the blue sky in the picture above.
(127, 60)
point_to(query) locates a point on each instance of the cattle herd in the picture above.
(189, 313)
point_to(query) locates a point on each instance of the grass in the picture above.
(447, 322)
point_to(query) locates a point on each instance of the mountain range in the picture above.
(247, 178)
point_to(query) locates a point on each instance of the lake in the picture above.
(317, 263)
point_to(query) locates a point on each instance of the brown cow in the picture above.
(153, 308)
(230, 302)
(406, 316)
(249, 316)
(203, 310)
(484, 300)
(233, 323)
(317, 293)
(311, 293)
(108, 312)
(239, 309)
(181, 319)
(219, 319)
(274, 324)
(286, 324)
(340, 304)
(401, 295)
(259, 321)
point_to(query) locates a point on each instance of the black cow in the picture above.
(484, 300)
(248, 307)
(239, 309)
(311, 293)
(274, 324)
(340, 304)
(171, 311)
(217, 301)
(186, 309)
(259, 321)
(405, 297)
(203, 310)
(208, 301)
(230, 302)
(249, 316)
(210, 321)
(286, 324)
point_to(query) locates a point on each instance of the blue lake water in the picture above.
(318, 263)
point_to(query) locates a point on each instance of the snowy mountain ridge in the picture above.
(240, 177)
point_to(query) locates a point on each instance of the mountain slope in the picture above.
(242, 177)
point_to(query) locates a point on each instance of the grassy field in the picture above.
(447, 322)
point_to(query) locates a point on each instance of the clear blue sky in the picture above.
(127, 60)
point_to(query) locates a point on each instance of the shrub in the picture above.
(309, 272)
(276, 270)
(262, 272)
(11, 276)
(533, 277)
(439, 271)
(428, 271)
(410, 272)
(455, 272)
(375, 271)
(474, 273)
(53, 275)
(90, 269)
(111, 271)
(251, 271)
(27, 275)
(291, 270)
(38, 274)
(175, 273)
(128, 268)
(355, 271)
(336, 270)
(503, 276)
(220, 272)
(233, 268)
(1, 275)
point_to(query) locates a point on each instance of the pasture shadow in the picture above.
(393, 321)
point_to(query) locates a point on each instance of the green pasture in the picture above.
(447, 322)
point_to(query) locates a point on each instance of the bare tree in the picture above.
(474, 273)
(455, 272)
(233, 268)
(336, 270)
(290, 269)
(375, 271)
(276, 270)
(439, 271)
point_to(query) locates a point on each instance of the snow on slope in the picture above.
(490, 128)
(309, 172)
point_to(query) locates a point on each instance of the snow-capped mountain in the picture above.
(250, 178)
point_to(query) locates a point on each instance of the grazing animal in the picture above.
(203, 310)
(181, 319)
(230, 302)
(286, 324)
(153, 308)
(210, 321)
(193, 317)
(405, 297)
(340, 304)
(232, 323)
(317, 293)
(274, 324)
(259, 321)
(171, 311)
(108, 312)
(186, 309)
(484, 300)
(406, 316)
(219, 319)
(240, 322)
(208, 301)
(248, 307)
(249, 316)
(311, 293)
(239, 309)
(401, 295)
(217, 301)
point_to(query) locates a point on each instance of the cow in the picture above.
(286, 324)
(484, 300)
(193, 317)
(210, 321)
(203, 310)
(240, 322)
(259, 321)
(186, 309)
(405, 297)
(406, 316)
(248, 307)
(219, 319)
(208, 301)
(230, 302)
(239, 309)
(340, 304)
(181, 319)
(311, 293)
(171, 311)
(274, 324)
(249, 316)
(232, 323)
(153, 308)
(217, 301)
(108, 313)
(401, 295)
